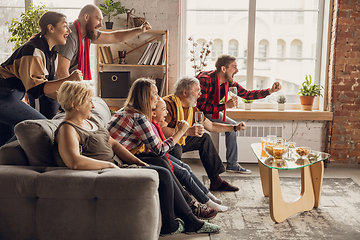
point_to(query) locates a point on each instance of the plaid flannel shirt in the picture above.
(131, 128)
(207, 84)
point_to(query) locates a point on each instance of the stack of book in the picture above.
(106, 55)
(153, 54)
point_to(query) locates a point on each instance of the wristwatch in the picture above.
(235, 128)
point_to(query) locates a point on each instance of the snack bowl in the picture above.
(302, 152)
(269, 149)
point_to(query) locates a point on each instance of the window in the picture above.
(263, 50)
(8, 10)
(280, 50)
(296, 50)
(233, 48)
(217, 49)
(279, 38)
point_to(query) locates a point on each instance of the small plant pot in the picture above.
(109, 25)
(307, 102)
(247, 106)
(281, 106)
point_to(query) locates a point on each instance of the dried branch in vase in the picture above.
(199, 64)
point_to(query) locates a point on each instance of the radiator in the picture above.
(252, 134)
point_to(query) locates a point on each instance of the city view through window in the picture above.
(284, 34)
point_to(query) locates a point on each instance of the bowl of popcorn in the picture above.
(302, 152)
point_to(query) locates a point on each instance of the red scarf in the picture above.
(162, 137)
(83, 58)
(217, 97)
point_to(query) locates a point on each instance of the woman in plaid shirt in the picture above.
(132, 128)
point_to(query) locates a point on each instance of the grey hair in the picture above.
(184, 83)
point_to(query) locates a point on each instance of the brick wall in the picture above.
(344, 90)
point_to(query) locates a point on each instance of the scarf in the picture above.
(180, 115)
(83, 58)
(139, 149)
(217, 97)
(162, 138)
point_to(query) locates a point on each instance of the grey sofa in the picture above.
(40, 201)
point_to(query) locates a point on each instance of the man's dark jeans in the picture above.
(207, 151)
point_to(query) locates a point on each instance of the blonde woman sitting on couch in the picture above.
(99, 151)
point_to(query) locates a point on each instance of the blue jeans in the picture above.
(188, 179)
(13, 111)
(47, 106)
(230, 140)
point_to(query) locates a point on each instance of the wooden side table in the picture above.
(312, 169)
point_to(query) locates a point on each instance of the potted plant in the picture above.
(22, 29)
(308, 92)
(247, 104)
(111, 9)
(281, 102)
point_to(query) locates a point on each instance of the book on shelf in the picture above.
(103, 53)
(149, 54)
(160, 54)
(141, 60)
(101, 56)
(156, 52)
(109, 54)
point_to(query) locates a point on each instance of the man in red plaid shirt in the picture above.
(214, 86)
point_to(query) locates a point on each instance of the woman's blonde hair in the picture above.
(139, 96)
(73, 94)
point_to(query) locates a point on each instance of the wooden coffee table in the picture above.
(312, 170)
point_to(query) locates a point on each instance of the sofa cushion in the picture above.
(36, 136)
(13, 154)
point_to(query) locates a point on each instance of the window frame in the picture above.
(321, 59)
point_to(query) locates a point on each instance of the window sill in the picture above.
(272, 114)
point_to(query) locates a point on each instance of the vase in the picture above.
(281, 106)
(247, 106)
(109, 25)
(306, 102)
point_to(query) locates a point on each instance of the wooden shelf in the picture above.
(134, 48)
(268, 114)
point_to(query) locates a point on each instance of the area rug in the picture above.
(248, 217)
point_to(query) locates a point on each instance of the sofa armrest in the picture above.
(13, 154)
(58, 203)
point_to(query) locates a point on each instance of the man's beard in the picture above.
(229, 78)
(91, 33)
(192, 100)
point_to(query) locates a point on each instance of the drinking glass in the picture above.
(233, 92)
(199, 118)
(290, 154)
(263, 144)
(278, 150)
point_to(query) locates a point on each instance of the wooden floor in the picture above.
(330, 172)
